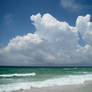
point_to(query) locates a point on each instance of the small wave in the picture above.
(17, 75)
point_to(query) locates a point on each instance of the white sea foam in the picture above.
(67, 80)
(18, 75)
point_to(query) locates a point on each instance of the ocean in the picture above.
(25, 78)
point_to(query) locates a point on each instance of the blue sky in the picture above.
(45, 32)
(15, 15)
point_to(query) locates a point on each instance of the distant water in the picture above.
(17, 78)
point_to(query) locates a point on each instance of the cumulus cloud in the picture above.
(53, 43)
(84, 26)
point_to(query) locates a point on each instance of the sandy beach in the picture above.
(86, 87)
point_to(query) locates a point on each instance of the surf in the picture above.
(62, 81)
(18, 75)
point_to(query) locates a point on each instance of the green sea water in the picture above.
(17, 78)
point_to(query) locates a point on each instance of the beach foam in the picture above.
(17, 75)
(65, 80)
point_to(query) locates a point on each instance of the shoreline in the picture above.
(64, 88)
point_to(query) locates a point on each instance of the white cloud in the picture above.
(53, 43)
(74, 5)
(84, 25)
(71, 5)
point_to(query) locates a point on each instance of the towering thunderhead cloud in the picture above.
(52, 43)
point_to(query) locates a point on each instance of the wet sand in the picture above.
(86, 87)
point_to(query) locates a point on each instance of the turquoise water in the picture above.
(17, 78)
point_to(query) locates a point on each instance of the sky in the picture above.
(45, 32)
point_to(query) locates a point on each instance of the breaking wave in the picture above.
(65, 80)
(18, 75)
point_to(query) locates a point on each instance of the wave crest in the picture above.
(17, 75)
